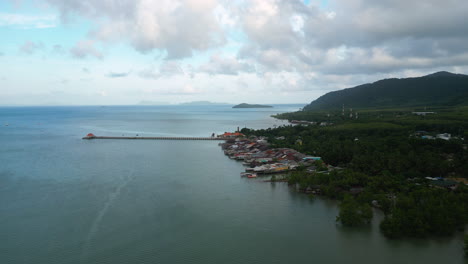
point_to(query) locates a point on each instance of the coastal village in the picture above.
(259, 159)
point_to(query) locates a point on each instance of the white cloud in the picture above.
(227, 65)
(224, 17)
(280, 35)
(166, 69)
(359, 36)
(28, 21)
(297, 23)
(178, 27)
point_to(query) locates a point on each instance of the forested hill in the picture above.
(437, 89)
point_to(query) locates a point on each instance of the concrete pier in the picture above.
(158, 138)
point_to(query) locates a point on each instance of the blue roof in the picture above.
(312, 158)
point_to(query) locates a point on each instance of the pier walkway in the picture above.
(159, 138)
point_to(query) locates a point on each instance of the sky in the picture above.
(123, 52)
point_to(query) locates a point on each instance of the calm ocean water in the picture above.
(68, 200)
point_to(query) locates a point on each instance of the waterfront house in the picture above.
(444, 136)
(231, 135)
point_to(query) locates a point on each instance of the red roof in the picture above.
(90, 135)
(237, 134)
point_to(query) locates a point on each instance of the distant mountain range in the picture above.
(244, 105)
(437, 89)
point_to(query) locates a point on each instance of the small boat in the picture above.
(252, 175)
(248, 175)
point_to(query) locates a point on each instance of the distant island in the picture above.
(244, 105)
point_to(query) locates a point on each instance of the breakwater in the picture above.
(156, 138)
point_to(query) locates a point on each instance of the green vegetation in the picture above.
(353, 213)
(244, 105)
(385, 156)
(438, 89)
(424, 211)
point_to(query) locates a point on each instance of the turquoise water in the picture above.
(68, 200)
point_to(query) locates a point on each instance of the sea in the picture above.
(68, 200)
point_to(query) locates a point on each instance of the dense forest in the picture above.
(386, 159)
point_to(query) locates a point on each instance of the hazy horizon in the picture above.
(149, 104)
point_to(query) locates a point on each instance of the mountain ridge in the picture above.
(440, 88)
(245, 105)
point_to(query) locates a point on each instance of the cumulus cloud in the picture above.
(30, 47)
(227, 65)
(282, 35)
(179, 27)
(85, 48)
(149, 73)
(282, 46)
(367, 36)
